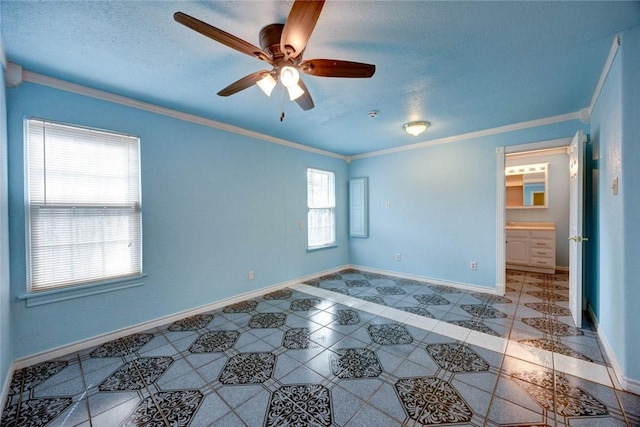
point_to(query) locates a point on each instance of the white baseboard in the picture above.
(5, 387)
(430, 280)
(628, 384)
(161, 321)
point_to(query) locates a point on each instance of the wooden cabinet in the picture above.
(531, 247)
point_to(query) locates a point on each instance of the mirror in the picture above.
(527, 186)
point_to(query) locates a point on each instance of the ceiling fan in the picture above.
(282, 48)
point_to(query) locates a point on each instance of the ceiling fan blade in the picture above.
(243, 83)
(299, 26)
(304, 101)
(221, 36)
(336, 68)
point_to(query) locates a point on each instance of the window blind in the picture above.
(84, 218)
(321, 203)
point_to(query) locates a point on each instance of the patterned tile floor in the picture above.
(349, 349)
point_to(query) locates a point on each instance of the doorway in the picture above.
(557, 211)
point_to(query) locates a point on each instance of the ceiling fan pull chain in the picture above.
(282, 104)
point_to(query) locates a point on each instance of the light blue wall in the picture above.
(215, 205)
(443, 207)
(615, 134)
(631, 195)
(6, 351)
(558, 202)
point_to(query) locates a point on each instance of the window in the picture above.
(83, 206)
(321, 201)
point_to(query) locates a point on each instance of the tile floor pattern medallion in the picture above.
(298, 338)
(491, 298)
(432, 299)
(248, 368)
(390, 334)
(35, 412)
(552, 326)
(483, 311)
(122, 346)
(241, 307)
(375, 299)
(347, 317)
(421, 311)
(456, 357)
(281, 294)
(475, 325)
(390, 290)
(305, 304)
(32, 376)
(432, 401)
(442, 289)
(299, 405)
(548, 308)
(136, 374)
(215, 341)
(357, 283)
(568, 400)
(355, 363)
(267, 320)
(192, 323)
(548, 296)
(175, 408)
(556, 347)
(317, 355)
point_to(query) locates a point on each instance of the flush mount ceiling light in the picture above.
(416, 128)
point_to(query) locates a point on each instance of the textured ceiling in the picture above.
(463, 66)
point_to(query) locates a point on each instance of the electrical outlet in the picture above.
(387, 205)
(398, 257)
(252, 275)
(473, 265)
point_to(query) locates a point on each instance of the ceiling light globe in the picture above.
(416, 128)
(289, 76)
(266, 84)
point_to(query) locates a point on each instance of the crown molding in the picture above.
(617, 42)
(477, 134)
(43, 80)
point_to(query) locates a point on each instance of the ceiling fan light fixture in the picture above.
(266, 84)
(289, 76)
(416, 128)
(295, 92)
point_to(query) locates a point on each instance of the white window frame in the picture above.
(109, 222)
(321, 204)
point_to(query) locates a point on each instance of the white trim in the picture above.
(628, 384)
(617, 41)
(161, 321)
(4, 392)
(478, 134)
(427, 280)
(40, 79)
(500, 223)
(538, 146)
(546, 152)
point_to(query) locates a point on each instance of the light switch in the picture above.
(614, 186)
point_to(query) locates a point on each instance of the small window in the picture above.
(321, 201)
(83, 206)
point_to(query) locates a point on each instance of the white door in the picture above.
(576, 164)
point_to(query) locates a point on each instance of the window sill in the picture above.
(319, 248)
(63, 294)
